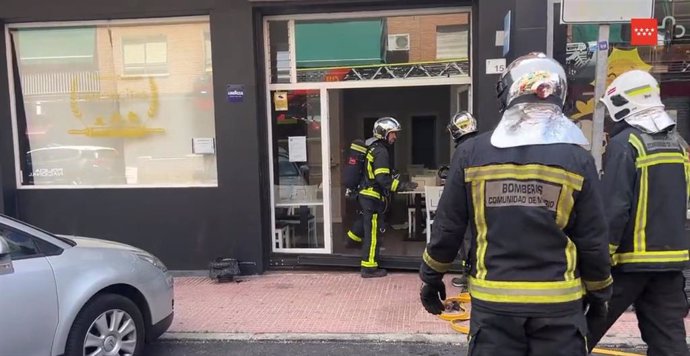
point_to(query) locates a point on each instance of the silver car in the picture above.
(78, 296)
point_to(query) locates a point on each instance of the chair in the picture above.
(432, 195)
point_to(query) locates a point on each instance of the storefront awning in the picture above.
(339, 44)
(56, 44)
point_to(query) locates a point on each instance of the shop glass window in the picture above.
(145, 56)
(117, 104)
(668, 62)
(371, 48)
(296, 121)
(208, 65)
(279, 48)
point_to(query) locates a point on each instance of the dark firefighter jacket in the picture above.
(646, 184)
(537, 225)
(378, 182)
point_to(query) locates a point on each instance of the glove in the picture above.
(596, 308)
(407, 186)
(432, 296)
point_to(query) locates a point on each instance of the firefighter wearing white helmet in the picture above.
(646, 184)
(530, 193)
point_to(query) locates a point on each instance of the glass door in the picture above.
(299, 177)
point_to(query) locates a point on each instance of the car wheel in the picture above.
(108, 325)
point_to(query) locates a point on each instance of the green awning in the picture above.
(339, 43)
(590, 33)
(74, 44)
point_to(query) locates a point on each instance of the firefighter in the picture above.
(646, 183)
(377, 185)
(462, 126)
(530, 194)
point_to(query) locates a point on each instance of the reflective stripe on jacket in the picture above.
(378, 182)
(646, 184)
(537, 222)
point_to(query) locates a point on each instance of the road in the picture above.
(303, 348)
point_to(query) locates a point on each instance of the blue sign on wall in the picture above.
(235, 93)
(506, 34)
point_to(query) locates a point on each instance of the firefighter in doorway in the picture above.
(462, 126)
(531, 193)
(645, 178)
(374, 194)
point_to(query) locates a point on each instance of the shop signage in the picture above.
(605, 11)
(643, 32)
(235, 93)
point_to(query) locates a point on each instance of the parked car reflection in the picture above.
(80, 165)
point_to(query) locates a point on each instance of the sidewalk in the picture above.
(324, 306)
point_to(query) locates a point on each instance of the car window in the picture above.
(21, 245)
(287, 168)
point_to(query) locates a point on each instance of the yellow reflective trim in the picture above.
(527, 171)
(437, 266)
(370, 157)
(480, 223)
(639, 234)
(571, 260)
(526, 292)
(353, 236)
(612, 249)
(651, 256)
(597, 285)
(370, 192)
(358, 148)
(382, 171)
(565, 207)
(660, 158)
(394, 185)
(633, 140)
(371, 261)
(639, 90)
(687, 173)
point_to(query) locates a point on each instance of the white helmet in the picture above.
(632, 92)
(635, 97)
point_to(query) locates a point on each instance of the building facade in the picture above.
(204, 129)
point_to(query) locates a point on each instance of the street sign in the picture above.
(605, 11)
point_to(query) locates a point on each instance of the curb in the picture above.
(399, 338)
(456, 339)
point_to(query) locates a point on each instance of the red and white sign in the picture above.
(643, 32)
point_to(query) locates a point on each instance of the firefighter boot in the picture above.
(373, 272)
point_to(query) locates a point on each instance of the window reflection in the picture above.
(116, 104)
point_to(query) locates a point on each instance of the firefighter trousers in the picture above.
(506, 335)
(660, 304)
(368, 229)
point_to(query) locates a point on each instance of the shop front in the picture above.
(329, 77)
(200, 129)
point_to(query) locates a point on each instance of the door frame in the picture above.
(323, 88)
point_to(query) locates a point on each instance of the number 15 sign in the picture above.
(495, 66)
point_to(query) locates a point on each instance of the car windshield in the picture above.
(63, 239)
